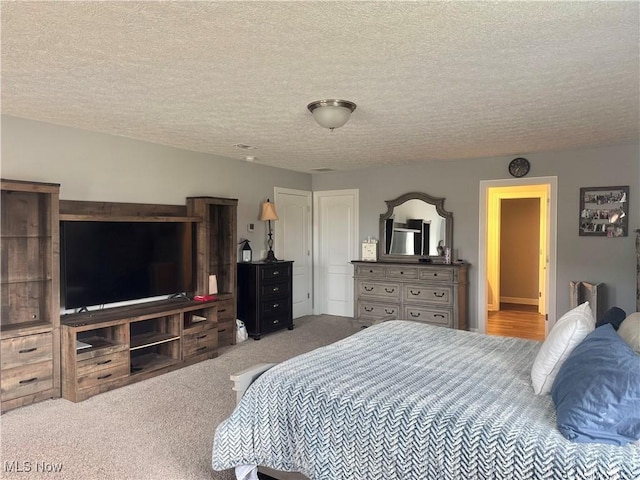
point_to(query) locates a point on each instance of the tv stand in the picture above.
(110, 348)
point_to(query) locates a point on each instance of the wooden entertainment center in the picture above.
(82, 354)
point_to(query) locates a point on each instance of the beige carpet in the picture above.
(158, 429)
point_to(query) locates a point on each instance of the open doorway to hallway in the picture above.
(516, 278)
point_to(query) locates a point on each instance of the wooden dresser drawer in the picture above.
(433, 316)
(274, 272)
(402, 272)
(428, 293)
(389, 291)
(85, 367)
(198, 342)
(18, 351)
(274, 289)
(226, 333)
(226, 310)
(370, 271)
(375, 311)
(95, 377)
(437, 275)
(26, 380)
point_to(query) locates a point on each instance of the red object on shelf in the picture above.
(204, 298)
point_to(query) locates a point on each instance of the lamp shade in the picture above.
(331, 113)
(268, 211)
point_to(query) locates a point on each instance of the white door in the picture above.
(293, 242)
(336, 237)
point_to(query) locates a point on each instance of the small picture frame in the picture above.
(604, 211)
(370, 251)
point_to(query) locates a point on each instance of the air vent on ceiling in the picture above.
(322, 169)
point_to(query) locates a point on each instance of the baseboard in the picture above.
(518, 300)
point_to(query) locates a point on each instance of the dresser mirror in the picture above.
(415, 226)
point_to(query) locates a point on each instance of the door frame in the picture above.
(487, 228)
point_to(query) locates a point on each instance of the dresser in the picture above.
(265, 302)
(429, 293)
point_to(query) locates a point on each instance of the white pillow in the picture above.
(565, 335)
(630, 331)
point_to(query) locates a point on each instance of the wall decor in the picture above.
(604, 211)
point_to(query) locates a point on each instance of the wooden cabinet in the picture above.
(30, 293)
(265, 302)
(107, 349)
(216, 254)
(430, 293)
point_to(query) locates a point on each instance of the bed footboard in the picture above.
(246, 377)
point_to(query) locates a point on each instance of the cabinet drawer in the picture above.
(274, 322)
(428, 293)
(390, 291)
(97, 377)
(226, 310)
(18, 351)
(437, 275)
(376, 311)
(274, 289)
(86, 367)
(274, 272)
(226, 333)
(199, 342)
(402, 272)
(369, 271)
(441, 318)
(26, 380)
(275, 307)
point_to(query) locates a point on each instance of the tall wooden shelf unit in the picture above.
(216, 252)
(30, 283)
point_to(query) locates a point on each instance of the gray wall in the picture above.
(593, 259)
(99, 167)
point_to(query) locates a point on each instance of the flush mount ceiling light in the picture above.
(331, 113)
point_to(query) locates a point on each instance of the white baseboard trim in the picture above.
(521, 301)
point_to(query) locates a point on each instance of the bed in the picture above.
(408, 401)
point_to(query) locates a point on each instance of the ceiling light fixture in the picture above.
(331, 113)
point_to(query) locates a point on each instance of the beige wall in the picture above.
(519, 248)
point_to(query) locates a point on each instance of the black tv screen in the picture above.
(108, 262)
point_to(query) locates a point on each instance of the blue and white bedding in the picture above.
(404, 400)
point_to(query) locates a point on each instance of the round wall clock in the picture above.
(519, 167)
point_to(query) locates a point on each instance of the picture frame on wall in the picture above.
(604, 211)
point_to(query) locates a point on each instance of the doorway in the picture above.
(517, 314)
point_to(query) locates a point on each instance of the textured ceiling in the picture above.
(432, 80)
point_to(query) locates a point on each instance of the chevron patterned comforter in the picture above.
(402, 401)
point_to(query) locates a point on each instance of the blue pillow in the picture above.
(615, 316)
(597, 391)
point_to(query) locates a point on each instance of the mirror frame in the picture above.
(436, 202)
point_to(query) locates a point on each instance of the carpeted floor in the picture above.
(161, 428)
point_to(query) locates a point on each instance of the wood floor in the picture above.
(514, 320)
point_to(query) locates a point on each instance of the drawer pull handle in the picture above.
(438, 315)
(29, 380)
(200, 349)
(276, 272)
(200, 337)
(276, 305)
(28, 350)
(389, 312)
(275, 289)
(370, 271)
(415, 292)
(102, 377)
(415, 315)
(222, 310)
(275, 322)
(439, 296)
(368, 309)
(401, 273)
(389, 290)
(368, 289)
(222, 330)
(104, 362)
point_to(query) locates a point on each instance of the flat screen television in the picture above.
(109, 262)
